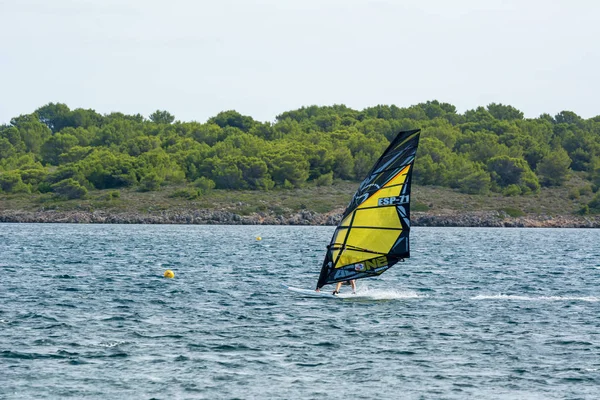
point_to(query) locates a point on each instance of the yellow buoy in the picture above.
(258, 238)
(169, 274)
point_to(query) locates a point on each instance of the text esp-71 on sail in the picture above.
(394, 200)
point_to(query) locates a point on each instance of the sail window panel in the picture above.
(383, 217)
(334, 254)
(340, 236)
(377, 240)
(346, 221)
(400, 178)
(382, 179)
(392, 177)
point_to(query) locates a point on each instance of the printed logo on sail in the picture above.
(360, 267)
(371, 264)
(394, 200)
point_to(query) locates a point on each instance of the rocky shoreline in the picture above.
(304, 217)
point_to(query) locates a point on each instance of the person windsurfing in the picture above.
(351, 282)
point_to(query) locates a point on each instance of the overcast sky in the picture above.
(262, 57)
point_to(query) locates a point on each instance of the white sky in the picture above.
(263, 57)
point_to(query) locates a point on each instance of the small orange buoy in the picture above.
(258, 238)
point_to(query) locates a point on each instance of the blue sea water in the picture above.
(475, 313)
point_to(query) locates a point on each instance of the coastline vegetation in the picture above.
(56, 155)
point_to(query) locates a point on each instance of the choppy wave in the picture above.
(535, 298)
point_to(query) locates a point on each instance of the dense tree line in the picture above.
(494, 148)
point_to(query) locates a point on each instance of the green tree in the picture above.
(434, 163)
(477, 182)
(481, 146)
(11, 182)
(75, 154)
(159, 162)
(68, 171)
(506, 171)
(141, 144)
(56, 145)
(6, 148)
(567, 117)
(227, 175)
(55, 116)
(85, 118)
(32, 132)
(233, 119)
(265, 131)
(500, 111)
(162, 117)
(343, 163)
(255, 173)
(554, 168)
(291, 167)
(33, 176)
(13, 136)
(209, 133)
(106, 170)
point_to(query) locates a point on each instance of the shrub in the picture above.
(594, 205)
(574, 194)
(204, 185)
(512, 190)
(70, 189)
(478, 182)
(44, 187)
(11, 182)
(325, 179)
(584, 210)
(186, 193)
(150, 182)
(33, 176)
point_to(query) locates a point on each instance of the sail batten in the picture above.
(374, 232)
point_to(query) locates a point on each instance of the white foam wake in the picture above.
(534, 298)
(381, 294)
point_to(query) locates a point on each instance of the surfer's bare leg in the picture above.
(337, 288)
(353, 284)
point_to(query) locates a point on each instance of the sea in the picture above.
(475, 313)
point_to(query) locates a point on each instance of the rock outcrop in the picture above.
(303, 217)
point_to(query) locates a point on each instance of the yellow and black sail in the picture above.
(373, 233)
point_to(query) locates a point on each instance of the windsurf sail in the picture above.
(373, 234)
